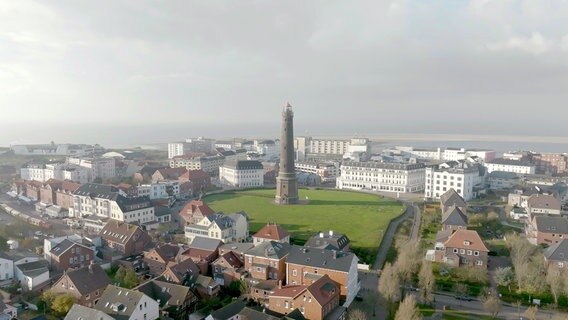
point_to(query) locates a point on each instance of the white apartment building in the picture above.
(153, 191)
(73, 173)
(269, 149)
(105, 201)
(37, 172)
(175, 149)
(104, 168)
(209, 164)
(227, 228)
(380, 176)
(55, 149)
(448, 154)
(242, 174)
(466, 178)
(328, 171)
(59, 171)
(508, 165)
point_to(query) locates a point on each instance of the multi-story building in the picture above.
(267, 261)
(125, 238)
(553, 163)
(37, 172)
(153, 191)
(329, 240)
(462, 248)
(176, 149)
(547, 230)
(543, 204)
(305, 265)
(70, 254)
(194, 211)
(227, 228)
(380, 176)
(56, 149)
(58, 171)
(507, 165)
(467, 178)
(86, 284)
(103, 168)
(242, 174)
(271, 232)
(199, 144)
(64, 195)
(556, 256)
(108, 201)
(209, 164)
(125, 304)
(328, 171)
(447, 154)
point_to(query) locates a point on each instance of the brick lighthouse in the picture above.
(286, 182)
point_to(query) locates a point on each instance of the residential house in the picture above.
(547, 230)
(194, 211)
(200, 180)
(271, 232)
(64, 195)
(79, 312)
(176, 301)
(315, 301)
(203, 251)
(267, 261)
(7, 312)
(180, 272)
(466, 177)
(70, 254)
(305, 265)
(242, 174)
(454, 219)
(261, 290)
(121, 303)
(158, 258)
(228, 268)
(6, 267)
(47, 191)
(128, 239)
(33, 189)
(238, 310)
(227, 228)
(238, 248)
(163, 214)
(329, 240)
(556, 256)
(11, 258)
(168, 174)
(543, 204)
(462, 248)
(32, 275)
(86, 284)
(452, 199)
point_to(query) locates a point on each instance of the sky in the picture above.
(79, 70)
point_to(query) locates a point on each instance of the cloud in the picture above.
(535, 44)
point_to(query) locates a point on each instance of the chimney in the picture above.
(331, 233)
(279, 284)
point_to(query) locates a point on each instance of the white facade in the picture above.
(329, 146)
(242, 174)
(154, 190)
(131, 210)
(448, 154)
(37, 172)
(6, 268)
(55, 149)
(31, 282)
(74, 173)
(57, 171)
(379, 176)
(175, 149)
(463, 178)
(514, 166)
(209, 164)
(328, 171)
(104, 168)
(227, 228)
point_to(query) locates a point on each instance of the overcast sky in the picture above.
(350, 66)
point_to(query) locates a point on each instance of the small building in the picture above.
(128, 239)
(454, 219)
(203, 251)
(329, 240)
(452, 198)
(193, 212)
(518, 213)
(32, 275)
(228, 268)
(271, 232)
(267, 261)
(502, 180)
(176, 301)
(121, 303)
(181, 272)
(242, 174)
(69, 254)
(79, 312)
(85, 284)
(462, 248)
(556, 256)
(547, 230)
(543, 204)
(158, 258)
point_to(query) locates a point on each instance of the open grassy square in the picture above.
(362, 217)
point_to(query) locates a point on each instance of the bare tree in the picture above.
(521, 252)
(492, 304)
(408, 310)
(461, 289)
(531, 313)
(389, 284)
(408, 260)
(504, 277)
(356, 314)
(556, 279)
(426, 282)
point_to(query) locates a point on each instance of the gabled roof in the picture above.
(69, 186)
(272, 231)
(322, 258)
(452, 198)
(544, 201)
(79, 312)
(229, 310)
(88, 279)
(270, 249)
(551, 224)
(169, 294)
(118, 302)
(207, 244)
(65, 245)
(557, 251)
(117, 231)
(291, 291)
(466, 239)
(197, 205)
(231, 260)
(171, 173)
(168, 252)
(96, 190)
(442, 236)
(323, 290)
(454, 216)
(195, 175)
(184, 268)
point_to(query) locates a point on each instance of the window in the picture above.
(476, 253)
(294, 272)
(469, 252)
(462, 251)
(456, 250)
(479, 263)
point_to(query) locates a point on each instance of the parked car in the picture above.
(464, 298)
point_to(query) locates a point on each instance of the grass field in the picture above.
(362, 217)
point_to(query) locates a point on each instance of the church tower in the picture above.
(286, 182)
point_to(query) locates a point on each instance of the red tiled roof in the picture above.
(272, 232)
(458, 239)
(192, 206)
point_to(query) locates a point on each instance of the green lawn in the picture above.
(362, 217)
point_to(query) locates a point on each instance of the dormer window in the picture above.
(466, 243)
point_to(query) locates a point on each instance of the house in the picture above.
(203, 251)
(315, 301)
(261, 290)
(7, 312)
(329, 240)
(267, 261)
(32, 275)
(454, 219)
(543, 204)
(180, 272)
(163, 214)
(128, 239)
(237, 248)
(306, 265)
(205, 287)
(70, 254)
(238, 310)
(466, 177)
(79, 312)
(227, 228)
(11, 258)
(47, 191)
(158, 258)
(547, 230)
(176, 301)
(168, 174)
(194, 211)
(271, 232)
(6, 267)
(557, 255)
(86, 284)
(121, 303)
(200, 180)
(452, 198)
(228, 268)
(501, 180)
(462, 248)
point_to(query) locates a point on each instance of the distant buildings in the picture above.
(448, 154)
(466, 177)
(327, 171)
(308, 148)
(227, 228)
(242, 174)
(55, 149)
(380, 176)
(507, 165)
(199, 144)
